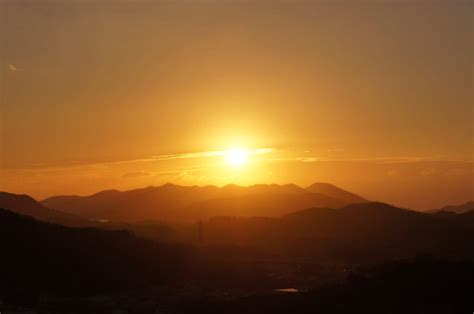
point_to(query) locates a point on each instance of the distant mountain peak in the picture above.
(170, 185)
(176, 202)
(458, 209)
(107, 192)
(336, 192)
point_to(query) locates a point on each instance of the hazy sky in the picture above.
(375, 96)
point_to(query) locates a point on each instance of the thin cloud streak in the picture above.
(13, 68)
(206, 154)
(254, 151)
(377, 160)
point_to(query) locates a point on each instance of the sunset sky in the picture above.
(375, 96)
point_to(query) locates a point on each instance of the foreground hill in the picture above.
(40, 258)
(47, 257)
(52, 269)
(26, 205)
(190, 203)
(357, 233)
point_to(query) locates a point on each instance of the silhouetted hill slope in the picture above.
(133, 205)
(258, 204)
(38, 256)
(335, 192)
(365, 232)
(26, 205)
(465, 219)
(459, 209)
(190, 203)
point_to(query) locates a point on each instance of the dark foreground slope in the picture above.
(26, 205)
(358, 233)
(55, 269)
(38, 257)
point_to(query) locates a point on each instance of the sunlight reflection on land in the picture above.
(287, 290)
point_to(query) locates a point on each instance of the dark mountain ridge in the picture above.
(26, 205)
(335, 192)
(458, 209)
(192, 202)
(96, 271)
(49, 257)
(365, 232)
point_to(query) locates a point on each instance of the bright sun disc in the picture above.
(237, 157)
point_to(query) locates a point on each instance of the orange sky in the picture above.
(373, 96)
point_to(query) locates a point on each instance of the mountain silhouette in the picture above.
(241, 256)
(335, 192)
(364, 232)
(190, 203)
(464, 218)
(41, 258)
(458, 209)
(265, 203)
(48, 257)
(26, 205)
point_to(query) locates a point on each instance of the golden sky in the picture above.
(373, 96)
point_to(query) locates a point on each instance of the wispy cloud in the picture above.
(294, 159)
(273, 156)
(428, 171)
(374, 160)
(13, 68)
(253, 151)
(380, 160)
(154, 158)
(136, 174)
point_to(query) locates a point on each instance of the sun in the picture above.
(237, 157)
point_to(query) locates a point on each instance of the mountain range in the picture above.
(228, 241)
(51, 263)
(190, 203)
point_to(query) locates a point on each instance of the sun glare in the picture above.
(237, 157)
